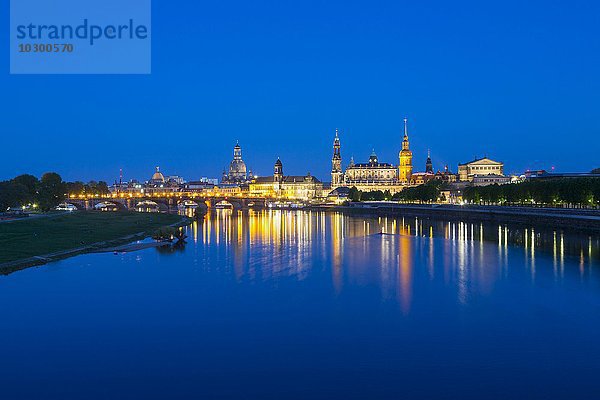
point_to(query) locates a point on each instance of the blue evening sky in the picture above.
(516, 80)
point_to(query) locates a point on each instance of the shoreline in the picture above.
(575, 219)
(98, 247)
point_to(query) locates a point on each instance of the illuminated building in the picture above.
(373, 175)
(405, 167)
(286, 186)
(446, 175)
(545, 175)
(339, 195)
(372, 172)
(199, 186)
(175, 179)
(421, 178)
(157, 178)
(490, 179)
(157, 184)
(238, 173)
(336, 162)
(479, 166)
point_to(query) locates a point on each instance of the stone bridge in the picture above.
(165, 203)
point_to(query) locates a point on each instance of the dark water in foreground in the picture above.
(280, 305)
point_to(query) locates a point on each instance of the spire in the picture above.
(405, 128)
(428, 164)
(336, 139)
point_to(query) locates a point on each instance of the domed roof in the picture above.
(158, 176)
(237, 167)
(278, 162)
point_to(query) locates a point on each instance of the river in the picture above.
(312, 305)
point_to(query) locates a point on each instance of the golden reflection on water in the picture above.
(270, 243)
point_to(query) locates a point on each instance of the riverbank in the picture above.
(25, 243)
(578, 219)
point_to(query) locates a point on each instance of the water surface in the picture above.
(293, 304)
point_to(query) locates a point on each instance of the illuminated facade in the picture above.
(421, 178)
(157, 184)
(405, 156)
(373, 175)
(446, 175)
(237, 172)
(370, 172)
(157, 178)
(286, 186)
(480, 166)
(336, 162)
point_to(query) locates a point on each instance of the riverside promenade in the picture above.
(573, 218)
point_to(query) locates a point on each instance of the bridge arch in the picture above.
(109, 206)
(151, 205)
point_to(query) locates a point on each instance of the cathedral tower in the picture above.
(278, 171)
(405, 166)
(428, 163)
(336, 162)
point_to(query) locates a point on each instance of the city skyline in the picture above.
(324, 170)
(517, 82)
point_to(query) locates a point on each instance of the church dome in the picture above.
(158, 176)
(237, 168)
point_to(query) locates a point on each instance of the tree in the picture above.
(425, 193)
(102, 188)
(355, 194)
(12, 194)
(51, 191)
(374, 195)
(75, 188)
(30, 183)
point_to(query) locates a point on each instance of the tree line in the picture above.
(426, 193)
(559, 192)
(46, 192)
(572, 192)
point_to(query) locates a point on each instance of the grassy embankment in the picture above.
(27, 238)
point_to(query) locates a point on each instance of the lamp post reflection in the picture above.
(473, 255)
